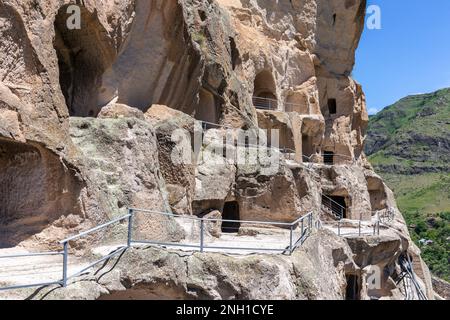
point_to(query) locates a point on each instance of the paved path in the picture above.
(44, 269)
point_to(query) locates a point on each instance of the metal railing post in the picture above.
(130, 227)
(303, 227)
(202, 235)
(339, 228)
(359, 228)
(291, 239)
(378, 223)
(65, 254)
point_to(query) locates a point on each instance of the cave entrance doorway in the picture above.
(35, 190)
(352, 291)
(328, 157)
(231, 212)
(307, 148)
(336, 204)
(84, 54)
(332, 106)
(264, 90)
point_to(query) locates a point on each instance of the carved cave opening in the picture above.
(231, 212)
(353, 290)
(83, 54)
(336, 204)
(35, 190)
(307, 147)
(332, 106)
(328, 157)
(264, 93)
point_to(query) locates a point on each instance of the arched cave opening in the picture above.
(231, 212)
(83, 54)
(207, 107)
(158, 64)
(35, 190)
(264, 93)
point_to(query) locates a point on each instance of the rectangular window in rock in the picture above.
(332, 106)
(231, 212)
(328, 157)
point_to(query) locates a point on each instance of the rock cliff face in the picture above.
(87, 122)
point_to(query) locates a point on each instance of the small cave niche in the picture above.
(332, 106)
(207, 108)
(36, 189)
(264, 93)
(83, 55)
(353, 289)
(202, 15)
(231, 212)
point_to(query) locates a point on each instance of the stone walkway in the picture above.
(44, 269)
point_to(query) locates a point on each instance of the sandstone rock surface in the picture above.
(96, 119)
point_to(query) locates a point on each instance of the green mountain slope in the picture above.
(408, 144)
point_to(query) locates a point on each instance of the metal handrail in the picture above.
(85, 233)
(408, 269)
(271, 104)
(265, 103)
(212, 124)
(309, 158)
(65, 244)
(293, 243)
(337, 206)
(23, 255)
(201, 246)
(36, 254)
(375, 229)
(287, 224)
(332, 201)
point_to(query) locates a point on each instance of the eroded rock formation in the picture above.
(87, 122)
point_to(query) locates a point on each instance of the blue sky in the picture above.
(409, 55)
